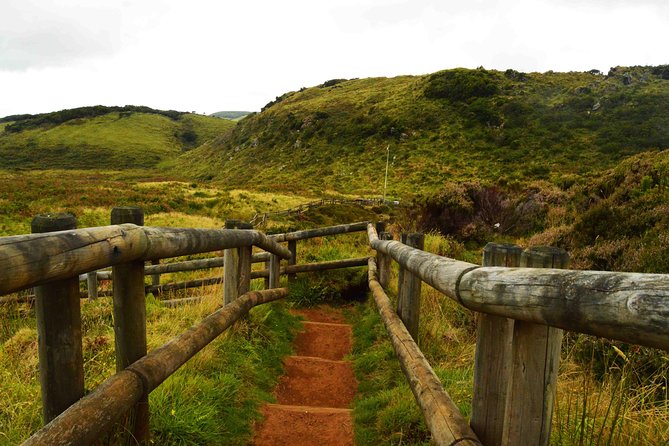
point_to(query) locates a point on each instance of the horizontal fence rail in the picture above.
(320, 232)
(262, 218)
(629, 307)
(442, 416)
(35, 259)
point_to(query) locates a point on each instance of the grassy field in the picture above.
(90, 195)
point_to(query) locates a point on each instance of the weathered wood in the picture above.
(187, 265)
(384, 262)
(174, 242)
(155, 278)
(92, 284)
(167, 287)
(320, 232)
(536, 358)
(130, 318)
(58, 332)
(93, 415)
(409, 286)
(245, 255)
(274, 271)
(241, 267)
(119, 393)
(492, 363)
(162, 362)
(29, 260)
(266, 274)
(439, 272)
(630, 307)
(442, 416)
(323, 266)
(230, 275)
(292, 247)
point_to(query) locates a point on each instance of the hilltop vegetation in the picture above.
(102, 137)
(448, 126)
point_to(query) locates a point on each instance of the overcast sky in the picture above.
(212, 55)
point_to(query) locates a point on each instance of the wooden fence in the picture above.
(52, 263)
(523, 310)
(261, 219)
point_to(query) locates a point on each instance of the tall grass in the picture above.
(213, 399)
(608, 393)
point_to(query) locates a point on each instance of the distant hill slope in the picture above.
(451, 125)
(103, 137)
(233, 115)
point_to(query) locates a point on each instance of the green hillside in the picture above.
(103, 137)
(448, 126)
(233, 115)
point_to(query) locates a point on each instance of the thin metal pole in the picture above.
(385, 183)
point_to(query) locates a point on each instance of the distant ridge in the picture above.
(100, 137)
(231, 114)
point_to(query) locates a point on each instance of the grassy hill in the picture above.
(448, 126)
(233, 115)
(103, 137)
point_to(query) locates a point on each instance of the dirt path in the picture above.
(315, 393)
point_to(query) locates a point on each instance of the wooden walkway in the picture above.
(315, 394)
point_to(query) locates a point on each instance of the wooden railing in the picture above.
(523, 310)
(52, 262)
(261, 219)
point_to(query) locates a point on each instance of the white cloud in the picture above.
(207, 55)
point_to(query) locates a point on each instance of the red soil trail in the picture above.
(315, 393)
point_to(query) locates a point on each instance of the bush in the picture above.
(461, 84)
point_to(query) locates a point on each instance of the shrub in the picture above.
(461, 84)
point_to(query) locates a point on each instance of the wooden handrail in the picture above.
(442, 416)
(29, 260)
(320, 232)
(118, 394)
(630, 307)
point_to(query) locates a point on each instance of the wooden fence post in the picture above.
(231, 268)
(492, 363)
(130, 318)
(58, 332)
(408, 290)
(236, 266)
(92, 284)
(267, 267)
(274, 271)
(292, 247)
(536, 358)
(245, 254)
(155, 278)
(383, 262)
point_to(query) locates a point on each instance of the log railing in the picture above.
(261, 219)
(526, 306)
(53, 262)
